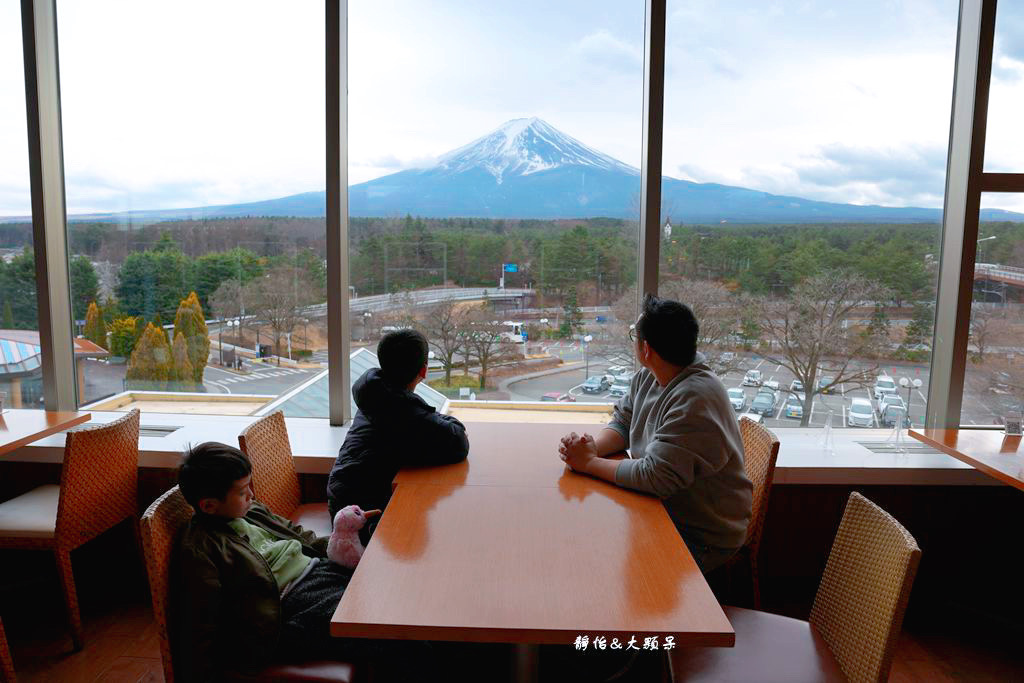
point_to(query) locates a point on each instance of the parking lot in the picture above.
(834, 405)
(978, 409)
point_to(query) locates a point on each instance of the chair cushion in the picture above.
(32, 514)
(313, 672)
(315, 517)
(768, 648)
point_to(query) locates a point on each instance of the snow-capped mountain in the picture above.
(526, 168)
(524, 146)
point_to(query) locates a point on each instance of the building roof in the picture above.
(19, 351)
(310, 399)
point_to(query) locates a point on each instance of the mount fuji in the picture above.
(526, 168)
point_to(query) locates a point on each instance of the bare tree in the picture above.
(811, 331)
(715, 307)
(482, 340)
(280, 297)
(444, 327)
(987, 328)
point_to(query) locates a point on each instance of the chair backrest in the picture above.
(863, 593)
(760, 451)
(99, 480)
(274, 481)
(160, 525)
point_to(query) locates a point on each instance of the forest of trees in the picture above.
(274, 267)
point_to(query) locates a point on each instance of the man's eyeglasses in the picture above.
(632, 333)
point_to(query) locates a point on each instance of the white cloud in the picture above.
(198, 102)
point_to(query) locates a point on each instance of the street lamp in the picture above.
(909, 384)
(586, 356)
(986, 239)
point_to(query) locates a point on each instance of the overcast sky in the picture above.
(215, 101)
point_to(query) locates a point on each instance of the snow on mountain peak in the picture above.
(524, 146)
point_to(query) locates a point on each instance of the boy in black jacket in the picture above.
(393, 428)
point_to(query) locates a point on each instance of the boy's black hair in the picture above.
(209, 470)
(402, 354)
(670, 328)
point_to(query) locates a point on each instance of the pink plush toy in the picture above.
(345, 548)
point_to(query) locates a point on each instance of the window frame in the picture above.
(965, 182)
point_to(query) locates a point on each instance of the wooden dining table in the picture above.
(988, 450)
(513, 547)
(19, 427)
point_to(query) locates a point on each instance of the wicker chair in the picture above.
(854, 624)
(98, 489)
(761, 450)
(274, 480)
(160, 525)
(6, 663)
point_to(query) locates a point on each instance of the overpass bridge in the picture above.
(508, 298)
(998, 283)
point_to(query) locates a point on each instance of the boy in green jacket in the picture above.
(251, 586)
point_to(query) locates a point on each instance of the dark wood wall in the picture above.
(972, 541)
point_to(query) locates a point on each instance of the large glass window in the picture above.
(804, 155)
(494, 160)
(194, 159)
(1004, 145)
(994, 378)
(20, 370)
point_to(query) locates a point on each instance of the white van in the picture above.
(884, 386)
(860, 414)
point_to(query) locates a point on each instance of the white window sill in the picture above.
(315, 445)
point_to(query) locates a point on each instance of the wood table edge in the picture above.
(1008, 479)
(49, 431)
(523, 636)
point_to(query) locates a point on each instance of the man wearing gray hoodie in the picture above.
(683, 439)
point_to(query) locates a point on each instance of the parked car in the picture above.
(759, 419)
(764, 403)
(891, 400)
(860, 414)
(595, 384)
(894, 414)
(794, 406)
(727, 358)
(737, 398)
(558, 396)
(825, 385)
(752, 378)
(616, 370)
(884, 385)
(620, 387)
(796, 386)
(771, 384)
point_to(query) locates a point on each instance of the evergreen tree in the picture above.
(84, 286)
(151, 358)
(95, 330)
(151, 282)
(190, 323)
(573, 320)
(919, 329)
(182, 372)
(877, 331)
(123, 336)
(8, 316)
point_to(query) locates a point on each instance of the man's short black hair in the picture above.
(402, 354)
(670, 328)
(210, 469)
